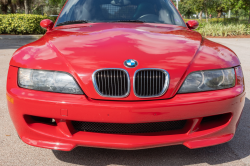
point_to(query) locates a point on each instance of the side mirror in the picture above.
(47, 24)
(192, 24)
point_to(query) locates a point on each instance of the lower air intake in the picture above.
(122, 128)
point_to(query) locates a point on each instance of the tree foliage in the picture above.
(12, 4)
(22, 24)
(187, 7)
(29, 6)
(190, 7)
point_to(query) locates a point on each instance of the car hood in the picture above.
(83, 49)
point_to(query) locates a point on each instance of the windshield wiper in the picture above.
(138, 21)
(72, 22)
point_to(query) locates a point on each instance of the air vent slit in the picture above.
(108, 82)
(153, 82)
(141, 83)
(150, 93)
(121, 82)
(144, 93)
(124, 78)
(147, 84)
(156, 79)
(159, 80)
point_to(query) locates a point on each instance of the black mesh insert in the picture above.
(118, 12)
(122, 128)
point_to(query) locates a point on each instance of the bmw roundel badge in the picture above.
(130, 63)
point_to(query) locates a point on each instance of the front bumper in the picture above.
(65, 108)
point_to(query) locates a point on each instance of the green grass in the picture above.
(30, 24)
(21, 24)
(223, 27)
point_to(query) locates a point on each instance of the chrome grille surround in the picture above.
(112, 69)
(165, 86)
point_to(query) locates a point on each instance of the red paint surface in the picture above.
(191, 107)
(47, 24)
(192, 24)
(208, 142)
(83, 48)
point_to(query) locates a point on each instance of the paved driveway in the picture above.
(14, 152)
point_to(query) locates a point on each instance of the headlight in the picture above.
(50, 81)
(208, 80)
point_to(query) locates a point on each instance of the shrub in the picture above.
(215, 20)
(223, 27)
(22, 24)
(30, 24)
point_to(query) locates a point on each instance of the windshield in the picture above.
(144, 11)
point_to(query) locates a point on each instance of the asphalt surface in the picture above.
(14, 152)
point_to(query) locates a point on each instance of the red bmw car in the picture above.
(124, 74)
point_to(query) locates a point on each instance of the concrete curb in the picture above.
(20, 36)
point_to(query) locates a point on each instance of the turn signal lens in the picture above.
(10, 99)
(240, 76)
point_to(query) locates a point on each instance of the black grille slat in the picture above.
(144, 93)
(122, 128)
(149, 82)
(159, 74)
(116, 77)
(138, 77)
(120, 79)
(163, 79)
(111, 82)
(147, 85)
(141, 83)
(125, 82)
(118, 83)
(102, 76)
(156, 83)
(153, 82)
(114, 83)
(105, 82)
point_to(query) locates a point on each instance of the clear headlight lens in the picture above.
(50, 81)
(208, 80)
